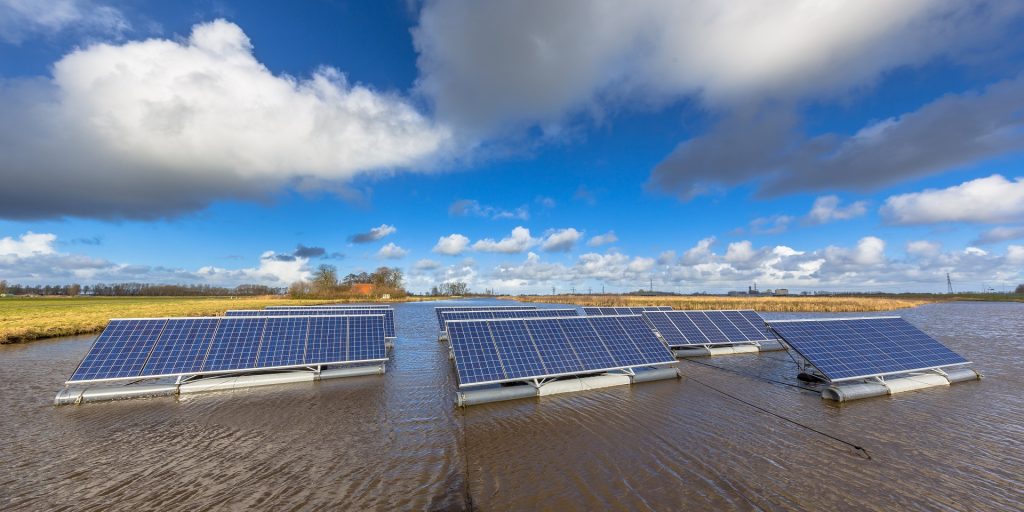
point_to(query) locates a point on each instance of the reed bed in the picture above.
(27, 319)
(818, 304)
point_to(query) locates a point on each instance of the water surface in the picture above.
(737, 432)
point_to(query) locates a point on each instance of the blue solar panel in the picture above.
(516, 351)
(856, 348)
(476, 358)
(235, 344)
(182, 346)
(364, 335)
(284, 342)
(750, 324)
(334, 306)
(499, 350)
(518, 313)
(683, 328)
(389, 314)
(554, 347)
(604, 311)
(590, 349)
(327, 339)
(121, 350)
(621, 346)
(444, 309)
(648, 346)
(146, 348)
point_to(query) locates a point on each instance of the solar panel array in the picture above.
(335, 306)
(495, 351)
(443, 309)
(389, 314)
(598, 311)
(857, 348)
(166, 347)
(447, 316)
(685, 328)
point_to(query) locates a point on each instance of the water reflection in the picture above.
(397, 442)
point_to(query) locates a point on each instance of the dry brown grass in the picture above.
(26, 319)
(818, 304)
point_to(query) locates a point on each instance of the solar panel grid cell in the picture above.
(554, 347)
(362, 333)
(687, 328)
(858, 348)
(613, 335)
(235, 345)
(475, 354)
(284, 342)
(590, 349)
(707, 327)
(327, 339)
(749, 331)
(121, 352)
(649, 348)
(668, 331)
(515, 348)
(182, 346)
(442, 309)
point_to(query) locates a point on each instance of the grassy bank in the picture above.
(26, 319)
(820, 304)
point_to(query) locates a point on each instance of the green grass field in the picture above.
(26, 319)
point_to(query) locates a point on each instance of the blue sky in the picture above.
(515, 146)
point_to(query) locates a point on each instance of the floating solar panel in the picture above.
(858, 348)
(507, 350)
(687, 328)
(141, 348)
(335, 306)
(445, 309)
(389, 314)
(599, 311)
(516, 313)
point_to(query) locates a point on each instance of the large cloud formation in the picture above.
(158, 127)
(488, 64)
(765, 145)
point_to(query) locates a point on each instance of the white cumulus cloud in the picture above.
(562, 240)
(162, 126)
(451, 245)
(827, 209)
(983, 200)
(391, 251)
(373, 234)
(599, 240)
(518, 241)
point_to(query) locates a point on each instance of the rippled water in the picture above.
(737, 432)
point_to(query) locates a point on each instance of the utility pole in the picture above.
(652, 285)
(949, 284)
(552, 290)
(602, 289)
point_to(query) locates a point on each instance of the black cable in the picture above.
(751, 375)
(857, 448)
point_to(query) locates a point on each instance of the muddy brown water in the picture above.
(741, 434)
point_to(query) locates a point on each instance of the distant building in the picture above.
(781, 291)
(736, 293)
(363, 288)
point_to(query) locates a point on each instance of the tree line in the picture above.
(138, 290)
(325, 284)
